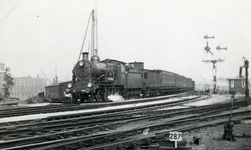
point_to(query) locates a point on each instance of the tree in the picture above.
(9, 83)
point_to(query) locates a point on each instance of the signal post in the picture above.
(213, 60)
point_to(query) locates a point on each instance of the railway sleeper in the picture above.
(10, 137)
(81, 132)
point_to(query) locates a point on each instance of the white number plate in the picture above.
(175, 136)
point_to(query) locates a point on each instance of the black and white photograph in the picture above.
(125, 74)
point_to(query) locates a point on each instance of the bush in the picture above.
(37, 99)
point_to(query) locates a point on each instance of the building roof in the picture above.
(236, 79)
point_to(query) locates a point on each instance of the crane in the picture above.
(46, 77)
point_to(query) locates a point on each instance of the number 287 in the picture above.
(174, 136)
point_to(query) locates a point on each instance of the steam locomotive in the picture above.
(94, 80)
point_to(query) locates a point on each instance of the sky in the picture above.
(169, 35)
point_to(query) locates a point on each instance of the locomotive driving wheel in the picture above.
(74, 98)
(105, 94)
(89, 98)
(126, 94)
(98, 96)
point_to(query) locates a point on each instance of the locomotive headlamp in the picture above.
(89, 84)
(69, 85)
(81, 63)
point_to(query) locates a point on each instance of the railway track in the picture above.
(92, 121)
(124, 140)
(105, 117)
(11, 112)
(111, 138)
(89, 112)
(84, 119)
(87, 131)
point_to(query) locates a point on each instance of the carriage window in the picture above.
(122, 68)
(232, 83)
(243, 83)
(145, 75)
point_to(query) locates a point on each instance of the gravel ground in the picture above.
(211, 138)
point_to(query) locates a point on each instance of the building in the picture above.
(237, 85)
(26, 87)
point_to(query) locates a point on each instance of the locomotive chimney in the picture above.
(85, 55)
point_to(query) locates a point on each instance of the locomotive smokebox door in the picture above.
(83, 69)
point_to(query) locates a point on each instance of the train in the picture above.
(94, 80)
